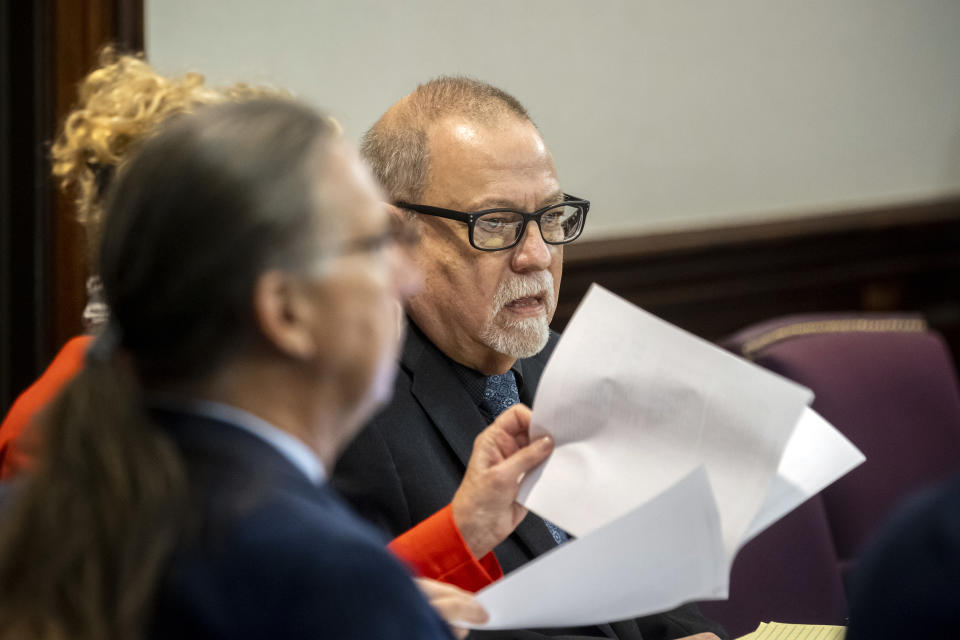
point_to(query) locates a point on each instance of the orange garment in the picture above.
(28, 404)
(432, 549)
(435, 549)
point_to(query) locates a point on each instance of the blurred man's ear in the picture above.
(404, 215)
(397, 212)
(286, 314)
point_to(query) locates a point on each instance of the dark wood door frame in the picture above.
(49, 46)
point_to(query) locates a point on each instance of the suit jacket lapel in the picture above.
(439, 392)
(453, 413)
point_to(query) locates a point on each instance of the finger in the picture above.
(453, 604)
(511, 430)
(460, 607)
(435, 589)
(505, 435)
(427, 586)
(527, 458)
(515, 420)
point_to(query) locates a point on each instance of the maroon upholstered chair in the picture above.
(886, 382)
(789, 573)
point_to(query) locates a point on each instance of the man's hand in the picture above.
(700, 636)
(484, 506)
(453, 604)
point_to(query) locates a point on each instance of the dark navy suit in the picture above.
(907, 582)
(410, 460)
(269, 554)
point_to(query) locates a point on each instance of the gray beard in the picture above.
(521, 339)
(526, 337)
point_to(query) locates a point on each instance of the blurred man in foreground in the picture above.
(253, 279)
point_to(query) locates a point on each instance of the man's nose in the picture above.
(531, 253)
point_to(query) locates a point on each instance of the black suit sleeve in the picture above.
(367, 478)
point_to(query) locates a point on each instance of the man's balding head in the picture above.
(464, 145)
(397, 147)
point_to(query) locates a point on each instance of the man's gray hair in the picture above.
(397, 146)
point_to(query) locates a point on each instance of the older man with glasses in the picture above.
(466, 168)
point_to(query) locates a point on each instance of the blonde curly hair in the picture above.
(121, 103)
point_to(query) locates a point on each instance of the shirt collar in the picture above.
(286, 444)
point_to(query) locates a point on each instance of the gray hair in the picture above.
(396, 146)
(206, 206)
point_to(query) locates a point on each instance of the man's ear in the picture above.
(403, 215)
(285, 313)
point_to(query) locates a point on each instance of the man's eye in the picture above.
(493, 224)
(552, 217)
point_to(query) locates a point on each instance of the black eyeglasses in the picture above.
(498, 229)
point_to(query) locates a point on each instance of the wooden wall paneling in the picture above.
(25, 322)
(81, 28)
(714, 282)
(49, 45)
(6, 206)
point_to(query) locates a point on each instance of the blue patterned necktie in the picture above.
(500, 394)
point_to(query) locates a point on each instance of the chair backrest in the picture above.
(789, 573)
(885, 381)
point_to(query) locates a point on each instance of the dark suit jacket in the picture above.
(408, 462)
(268, 554)
(907, 582)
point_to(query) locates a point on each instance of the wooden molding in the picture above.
(699, 239)
(713, 282)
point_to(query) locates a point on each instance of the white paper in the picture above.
(670, 454)
(634, 404)
(816, 455)
(675, 548)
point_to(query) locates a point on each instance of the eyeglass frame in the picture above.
(471, 218)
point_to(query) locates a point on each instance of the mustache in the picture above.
(539, 283)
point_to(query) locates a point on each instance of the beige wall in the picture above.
(667, 114)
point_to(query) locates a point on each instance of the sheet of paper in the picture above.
(816, 455)
(670, 454)
(783, 631)
(634, 404)
(651, 559)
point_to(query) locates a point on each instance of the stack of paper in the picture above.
(781, 631)
(670, 455)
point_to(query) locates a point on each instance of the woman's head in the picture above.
(121, 103)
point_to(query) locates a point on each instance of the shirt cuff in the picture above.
(435, 549)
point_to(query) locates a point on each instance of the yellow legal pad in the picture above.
(781, 631)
